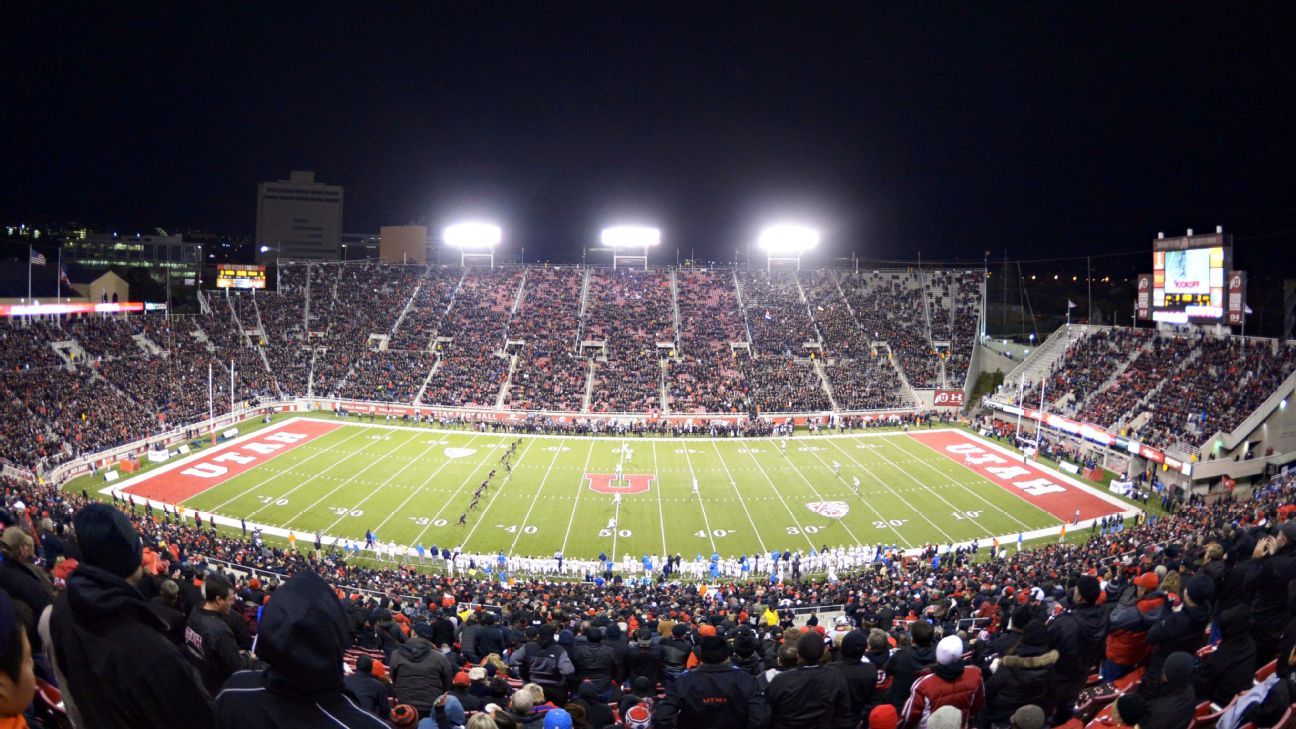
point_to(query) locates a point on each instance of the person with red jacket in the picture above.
(1140, 607)
(949, 684)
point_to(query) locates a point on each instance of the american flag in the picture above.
(37, 258)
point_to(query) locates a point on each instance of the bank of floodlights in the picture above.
(630, 242)
(474, 240)
(786, 242)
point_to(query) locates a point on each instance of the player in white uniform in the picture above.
(836, 468)
(855, 481)
(695, 486)
(616, 498)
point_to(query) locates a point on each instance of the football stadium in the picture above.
(780, 380)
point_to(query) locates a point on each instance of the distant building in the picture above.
(404, 244)
(359, 246)
(157, 253)
(299, 219)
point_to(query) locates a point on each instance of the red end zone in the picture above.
(185, 480)
(1027, 480)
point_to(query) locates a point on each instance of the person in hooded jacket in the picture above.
(1176, 701)
(302, 638)
(644, 657)
(1078, 635)
(1140, 607)
(1178, 630)
(545, 663)
(368, 692)
(1021, 677)
(594, 663)
(675, 653)
(1277, 558)
(1228, 670)
(951, 683)
(905, 664)
(419, 672)
(489, 638)
(119, 667)
(858, 675)
(715, 695)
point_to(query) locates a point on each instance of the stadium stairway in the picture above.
(823, 378)
(589, 387)
(508, 382)
(742, 308)
(1039, 363)
(1079, 407)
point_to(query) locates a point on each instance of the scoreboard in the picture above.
(1188, 281)
(240, 276)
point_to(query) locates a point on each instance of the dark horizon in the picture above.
(1043, 132)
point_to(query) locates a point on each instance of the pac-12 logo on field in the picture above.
(628, 483)
(830, 509)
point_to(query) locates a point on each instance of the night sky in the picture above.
(946, 128)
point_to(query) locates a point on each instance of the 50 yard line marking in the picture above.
(661, 517)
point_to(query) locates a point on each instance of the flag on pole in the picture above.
(37, 258)
(1071, 304)
(1247, 309)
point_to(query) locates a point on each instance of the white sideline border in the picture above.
(1005, 541)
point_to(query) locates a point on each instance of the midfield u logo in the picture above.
(629, 483)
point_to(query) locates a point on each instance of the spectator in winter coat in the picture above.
(715, 695)
(104, 634)
(809, 695)
(1077, 635)
(904, 665)
(594, 661)
(419, 672)
(545, 663)
(367, 691)
(1178, 630)
(1176, 701)
(302, 637)
(1277, 557)
(858, 675)
(949, 684)
(208, 639)
(1228, 670)
(1140, 607)
(1022, 677)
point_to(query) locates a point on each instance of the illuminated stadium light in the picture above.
(630, 243)
(630, 236)
(786, 242)
(474, 240)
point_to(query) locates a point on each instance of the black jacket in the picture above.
(675, 654)
(1180, 630)
(174, 619)
(420, 674)
(120, 667)
(1228, 670)
(904, 666)
(1078, 636)
(644, 661)
(712, 696)
(808, 696)
(1024, 677)
(210, 645)
(1172, 709)
(490, 640)
(860, 679)
(368, 693)
(543, 662)
(302, 637)
(594, 662)
(1269, 606)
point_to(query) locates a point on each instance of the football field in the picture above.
(584, 495)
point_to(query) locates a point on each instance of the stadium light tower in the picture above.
(630, 242)
(473, 240)
(786, 242)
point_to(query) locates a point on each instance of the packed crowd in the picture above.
(472, 367)
(1087, 364)
(1147, 371)
(631, 311)
(890, 308)
(1173, 610)
(549, 374)
(705, 376)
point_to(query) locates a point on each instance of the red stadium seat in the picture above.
(1266, 670)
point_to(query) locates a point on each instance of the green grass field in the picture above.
(411, 484)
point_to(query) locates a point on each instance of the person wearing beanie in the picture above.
(1140, 606)
(946, 717)
(1130, 709)
(858, 675)
(542, 661)
(1024, 676)
(1176, 701)
(810, 695)
(302, 638)
(1077, 634)
(366, 690)
(557, 719)
(950, 684)
(1179, 630)
(462, 690)
(747, 652)
(1029, 716)
(104, 634)
(675, 653)
(905, 664)
(715, 695)
(404, 716)
(594, 662)
(883, 716)
(419, 672)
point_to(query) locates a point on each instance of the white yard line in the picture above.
(818, 496)
(507, 478)
(446, 501)
(950, 480)
(661, 516)
(377, 490)
(795, 521)
(274, 475)
(334, 490)
(579, 491)
(700, 502)
(872, 508)
(743, 502)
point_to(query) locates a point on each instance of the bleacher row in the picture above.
(571, 339)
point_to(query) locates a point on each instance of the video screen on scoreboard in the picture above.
(237, 276)
(1188, 279)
